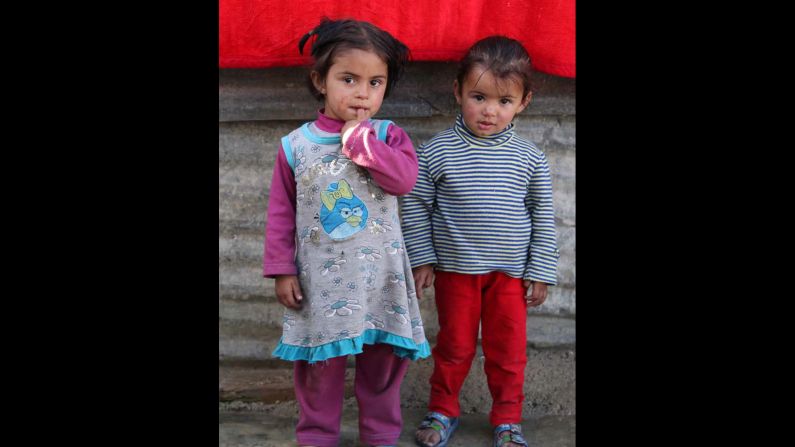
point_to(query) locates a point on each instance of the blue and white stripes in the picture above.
(481, 205)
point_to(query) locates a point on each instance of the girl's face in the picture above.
(488, 104)
(356, 80)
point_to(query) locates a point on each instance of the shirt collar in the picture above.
(327, 124)
(467, 135)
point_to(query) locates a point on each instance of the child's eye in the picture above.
(347, 80)
(505, 101)
(376, 82)
(479, 97)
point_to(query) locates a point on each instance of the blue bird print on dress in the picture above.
(342, 213)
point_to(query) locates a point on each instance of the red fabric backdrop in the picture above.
(265, 33)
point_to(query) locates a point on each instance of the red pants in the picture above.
(463, 302)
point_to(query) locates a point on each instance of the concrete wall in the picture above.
(256, 108)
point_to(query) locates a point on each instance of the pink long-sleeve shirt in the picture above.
(391, 163)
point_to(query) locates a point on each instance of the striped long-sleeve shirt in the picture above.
(482, 205)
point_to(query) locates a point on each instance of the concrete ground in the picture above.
(260, 429)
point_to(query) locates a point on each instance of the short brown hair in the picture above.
(503, 56)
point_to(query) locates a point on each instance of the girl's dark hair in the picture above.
(335, 36)
(505, 57)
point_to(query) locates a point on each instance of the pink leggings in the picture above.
(320, 388)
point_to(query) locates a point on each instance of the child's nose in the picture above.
(361, 92)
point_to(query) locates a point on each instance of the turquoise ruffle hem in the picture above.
(403, 347)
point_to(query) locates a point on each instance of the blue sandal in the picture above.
(441, 423)
(514, 436)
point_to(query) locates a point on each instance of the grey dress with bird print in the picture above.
(354, 271)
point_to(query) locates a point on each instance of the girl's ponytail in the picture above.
(303, 41)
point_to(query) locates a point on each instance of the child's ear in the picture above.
(525, 101)
(318, 82)
(456, 92)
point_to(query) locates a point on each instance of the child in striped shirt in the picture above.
(481, 218)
